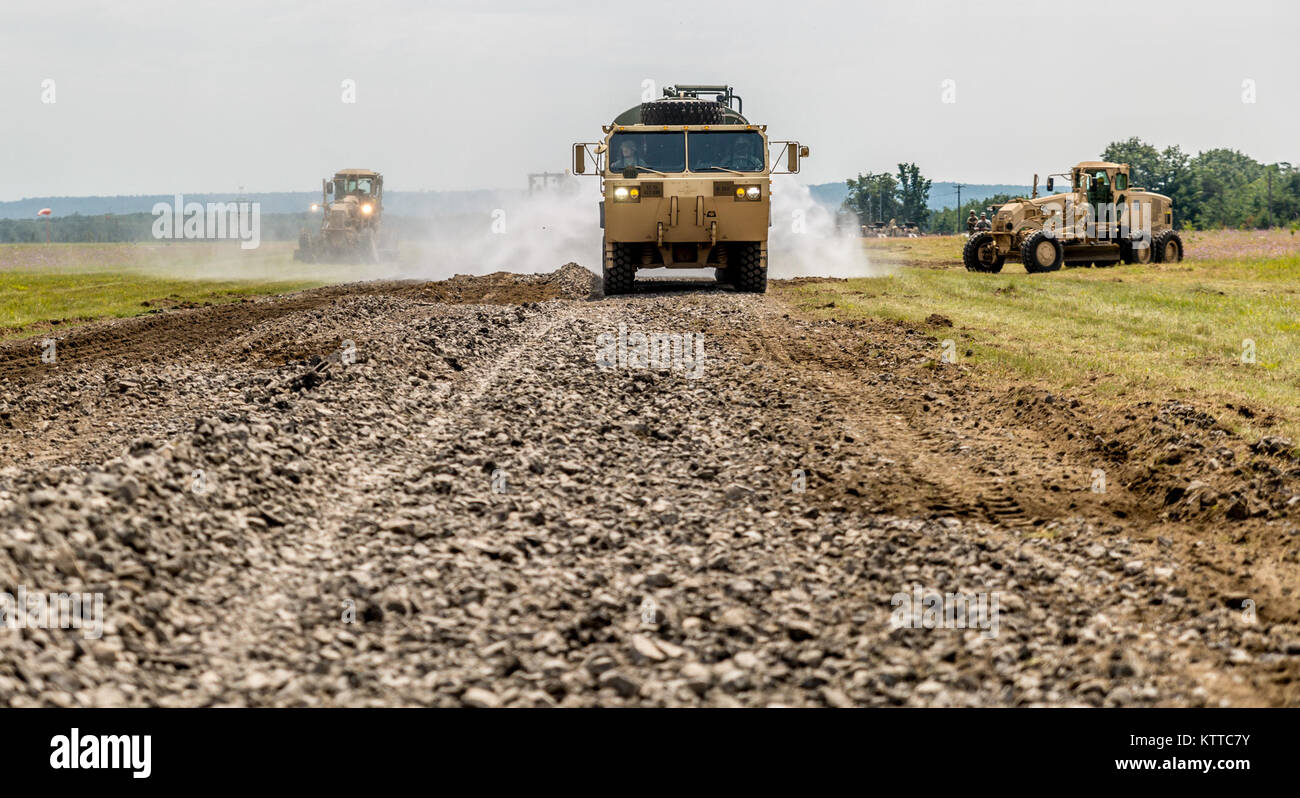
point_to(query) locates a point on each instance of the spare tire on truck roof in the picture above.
(681, 112)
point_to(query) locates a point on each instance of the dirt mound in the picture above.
(570, 281)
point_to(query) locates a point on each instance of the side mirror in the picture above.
(792, 157)
(1050, 182)
(579, 159)
(329, 188)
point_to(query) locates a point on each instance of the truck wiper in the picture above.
(723, 168)
(646, 168)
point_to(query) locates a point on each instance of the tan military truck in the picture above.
(1101, 220)
(352, 212)
(686, 184)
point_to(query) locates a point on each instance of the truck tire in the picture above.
(976, 254)
(1042, 253)
(1167, 247)
(681, 112)
(747, 267)
(618, 272)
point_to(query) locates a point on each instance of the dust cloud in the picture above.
(804, 240)
(511, 232)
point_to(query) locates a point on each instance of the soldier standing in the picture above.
(970, 223)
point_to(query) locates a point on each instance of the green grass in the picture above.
(43, 285)
(30, 299)
(1120, 334)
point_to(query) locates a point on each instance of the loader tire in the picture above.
(1167, 247)
(681, 112)
(1042, 253)
(981, 254)
(749, 272)
(1133, 254)
(619, 272)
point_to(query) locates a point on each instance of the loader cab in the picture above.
(353, 186)
(1101, 183)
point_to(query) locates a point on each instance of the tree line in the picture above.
(1215, 188)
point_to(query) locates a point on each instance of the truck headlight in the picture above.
(367, 209)
(314, 207)
(750, 193)
(627, 194)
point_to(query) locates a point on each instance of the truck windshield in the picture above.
(739, 151)
(661, 151)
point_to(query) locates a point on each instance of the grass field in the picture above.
(44, 285)
(1168, 331)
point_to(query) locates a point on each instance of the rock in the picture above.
(619, 683)
(1272, 444)
(734, 618)
(835, 698)
(800, 630)
(644, 648)
(699, 678)
(658, 580)
(479, 698)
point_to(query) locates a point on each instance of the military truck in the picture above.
(352, 213)
(686, 184)
(1101, 220)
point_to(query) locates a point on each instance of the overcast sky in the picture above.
(156, 96)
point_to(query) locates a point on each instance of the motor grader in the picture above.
(686, 184)
(352, 213)
(1101, 220)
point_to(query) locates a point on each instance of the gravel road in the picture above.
(475, 494)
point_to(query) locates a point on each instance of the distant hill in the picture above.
(405, 203)
(942, 195)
